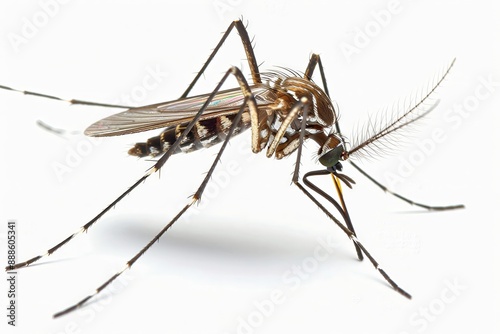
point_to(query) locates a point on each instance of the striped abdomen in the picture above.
(204, 134)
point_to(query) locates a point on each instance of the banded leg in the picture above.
(257, 141)
(71, 101)
(253, 112)
(196, 197)
(346, 230)
(252, 106)
(315, 61)
(409, 201)
(292, 115)
(247, 45)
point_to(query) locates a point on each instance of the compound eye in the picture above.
(332, 157)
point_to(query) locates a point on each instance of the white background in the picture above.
(210, 271)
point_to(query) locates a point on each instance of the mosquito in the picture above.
(282, 108)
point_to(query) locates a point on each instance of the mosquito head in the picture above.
(332, 151)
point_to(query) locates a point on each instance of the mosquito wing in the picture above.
(174, 112)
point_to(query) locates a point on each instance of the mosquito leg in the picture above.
(71, 101)
(319, 191)
(351, 236)
(257, 140)
(292, 115)
(58, 132)
(347, 218)
(409, 201)
(314, 61)
(341, 208)
(348, 232)
(196, 197)
(252, 106)
(247, 45)
(281, 131)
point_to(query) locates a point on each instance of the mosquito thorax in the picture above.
(323, 110)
